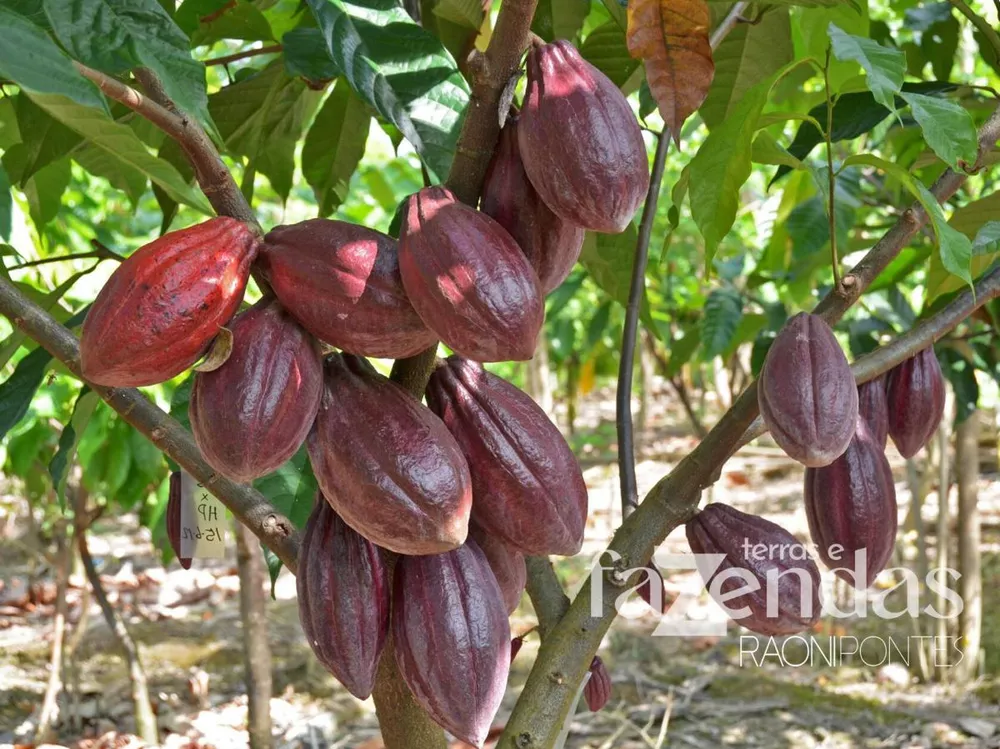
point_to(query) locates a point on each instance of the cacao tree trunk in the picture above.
(50, 703)
(256, 648)
(970, 621)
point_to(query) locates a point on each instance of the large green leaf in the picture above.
(44, 192)
(985, 249)
(563, 19)
(723, 313)
(6, 206)
(17, 390)
(69, 440)
(948, 128)
(306, 55)
(45, 140)
(885, 66)
(605, 48)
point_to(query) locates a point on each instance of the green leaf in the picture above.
(306, 55)
(606, 50)
(119, 175)
(948, 128)
(885, 66)
(17, 390)
(24, 448)
(69, 440)
(563, 19)
(954, 247)
(45, 141)
(242, 20)
(292, 489)
(961, 373)
(974, 221)
(44, 192)
(723, 313)
(6, 206)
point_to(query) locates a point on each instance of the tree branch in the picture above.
(546, 593)
(979, 22)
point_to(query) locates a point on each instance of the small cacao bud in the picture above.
(915, 397)
(654, 578)
(873, 408)
(597, 692)
(806, 392)
(515, 647)
(174, 519)
(507, 565)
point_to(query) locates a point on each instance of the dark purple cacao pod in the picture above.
(251, 414)
(551, 244)
(343, 590)
(873, 408)
(507, 565)
(915, 396)
(580, 142)
(654, 577)
(451, 637)
(779, 564)
(528, 489)
(386, 464)
(468, 279)
(851, 506)
(515, 647)
(341, 282)
(174, 519)
(597, 692)
(806, 392)
(161, 308)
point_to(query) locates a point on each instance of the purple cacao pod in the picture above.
(452, 639)
(386, 464)
(597, 692)
(174, 519)
(468, 279)
(806, 392)
(654, 577)
(915, 396)
(551, 244)
(580, 142)
(507, 565)
(781, 579)
(251, 414)
(851, 507)
(343, 590)
(873, 408)
(528, 489)
(515, 647)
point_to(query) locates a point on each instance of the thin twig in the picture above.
(980, 23)
(242, 55)
(831, 175)
(733, 17)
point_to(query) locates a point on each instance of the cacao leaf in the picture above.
(69, 440)
(334, 145)
(563, 19)
(606, 49)
(305, 54)
(947, 127)
(885, 66)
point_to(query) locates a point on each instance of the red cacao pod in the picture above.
(580, 142)
(251, 414)
(762, 558)
(915, 396)
(343, 591)
(851, 506)
(597, 692)
(386, 464)
(528, 489)
(341, 282)
(507, 565)
(161, 308)
(468, 279)
(551, 244)
(806, 392)
(873, 408)
(174, 519)
(452, 639)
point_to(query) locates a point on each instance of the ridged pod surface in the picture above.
(344, 596)
(161, 308)
(452, 639)
(528, 489)
(386, 464)
(507, 565)
(580, 142)
(768, 554)
(174, 519)
(341, 282)
(915, 395)
(468, 280)
(251, 414)
(551, 244)
(806, 393)
(851, 504)
(597, 692)
(873, 408)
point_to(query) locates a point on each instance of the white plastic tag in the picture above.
(203, 521)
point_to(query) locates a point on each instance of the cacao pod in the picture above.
(344, 596)
(781, 579)
(174, 519)
(451, 637)
(851, 507)
(161, 308)
(515, 647)
(915, 397)
(580, 142)
(597, 692)
(528, 489)
(468, 279)
(806, 392)
(342, 283)
(551, 244)
(386, 464)
(251, 414)
(654, 577)
(873, 408)
(507, 565)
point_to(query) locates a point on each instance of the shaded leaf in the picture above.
(69, 439)
(563, 19)
(6, 206)
(723, 312)
(46, 140)
(306, 55)
(606, 50)
(17, 390)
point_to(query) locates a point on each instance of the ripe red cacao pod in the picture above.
(806, 392)
(873, 408)
(851, 506)
(174, 519)
(551, 244)
(386, 464)
(580, 142)
(452, 639)
(915, 396)
(468, 279)
(341, 282)
(768, 558)
(344, 595)
(161, 308)
(507, 565)
(528, 489)
(597, 692)
(251, 414)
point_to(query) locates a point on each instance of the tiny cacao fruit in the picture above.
(341, 282)
(251, 414)
(174, 519)
(343, 590)
(780, 579)
(873, 408)
(161, 308)
(528, 489)
(580, 142)
(468, 279)
(386, 464)
(915, 397)
(507, 565)
(452, 639)
(597, 692)
(806, 392)
(515, 647)
(654, 582)
(551, 244)
(851, 508)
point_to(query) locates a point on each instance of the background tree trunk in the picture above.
(50, 704)
(943, 534)
(538, 377)
(970, 621)
(256, 648)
